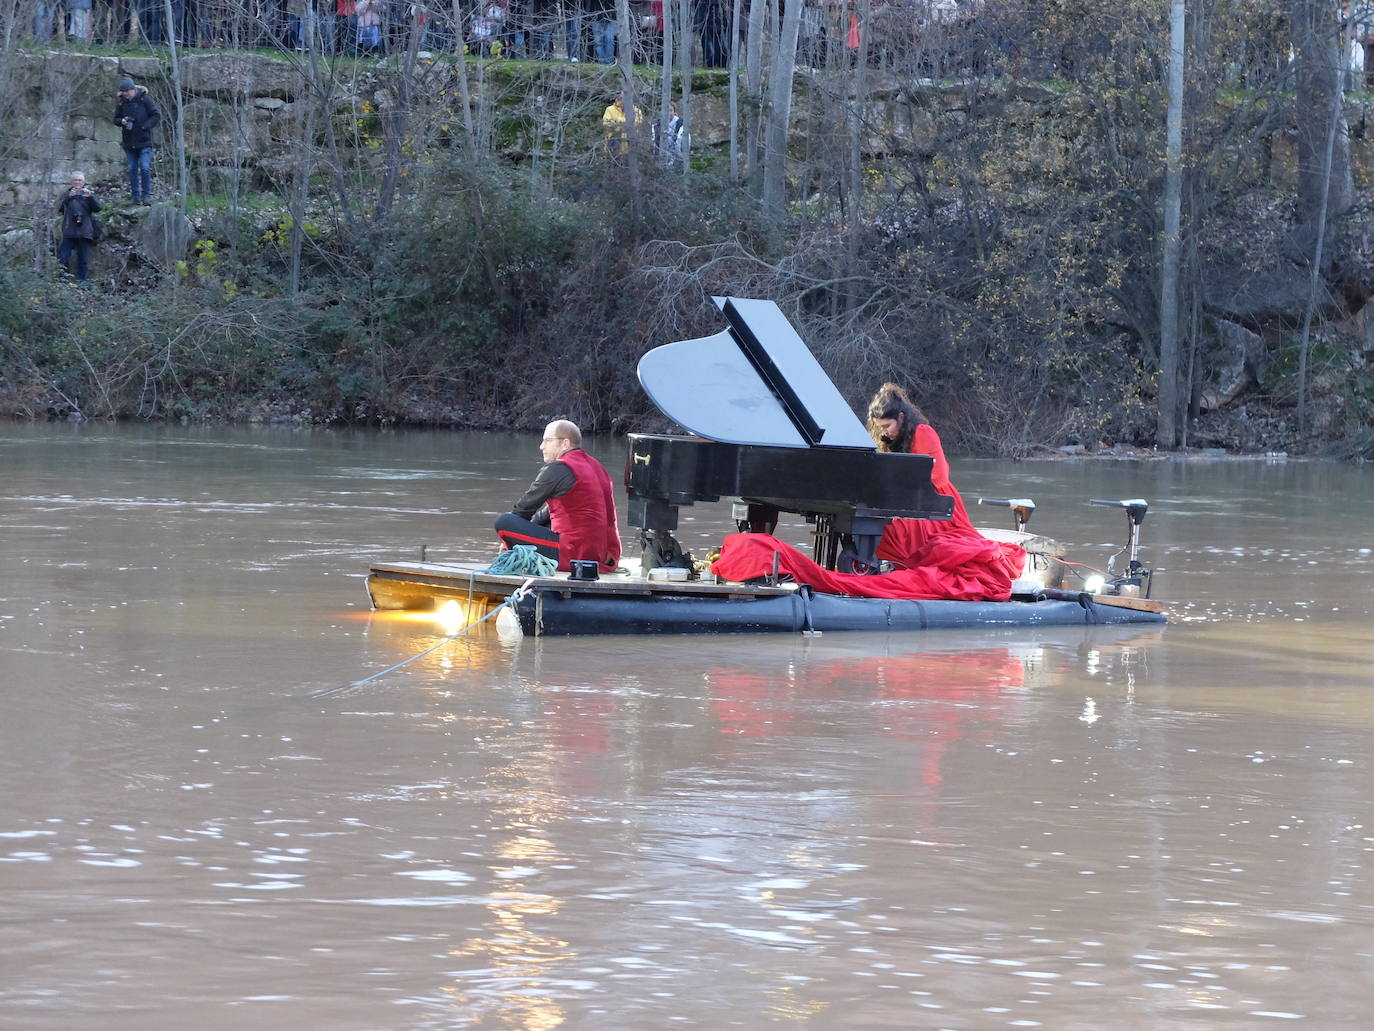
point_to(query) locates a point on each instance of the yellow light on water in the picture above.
(451, 616)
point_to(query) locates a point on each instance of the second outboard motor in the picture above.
(1137, 580)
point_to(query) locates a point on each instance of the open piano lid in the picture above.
(755, 383)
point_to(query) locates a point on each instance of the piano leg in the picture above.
(751, 518)
(659, 549)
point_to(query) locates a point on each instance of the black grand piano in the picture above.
(771, 431)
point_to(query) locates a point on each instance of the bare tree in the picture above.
(736, 27)
(780, 111)
(634, 128)
(1319, 60)
(1167, 432)
(684, 8)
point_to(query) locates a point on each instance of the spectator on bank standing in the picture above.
(428, 20)
(396, 25)
(613, 122)
(369, 14)
(811, 43)
(137, 115)
(712, 19)
(648, 32)
(489, 28)
(295, 25)
(43, 12)
(516, 40)
(347, 10)
(80, 230)
(327, 26)
(574, 41)
(670, 140)
(603, 18)
(543, 15)
(78, 19)
(150, 17)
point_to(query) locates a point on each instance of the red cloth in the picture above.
(584, 518)
(962, 567)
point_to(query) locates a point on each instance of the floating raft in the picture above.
(622, 603)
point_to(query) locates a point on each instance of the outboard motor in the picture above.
(1021, 508)
(1137, 579)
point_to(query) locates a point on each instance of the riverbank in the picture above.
(455, 244)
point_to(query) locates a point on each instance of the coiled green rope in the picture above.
(522, 560)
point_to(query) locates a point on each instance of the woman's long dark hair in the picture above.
(888, 403)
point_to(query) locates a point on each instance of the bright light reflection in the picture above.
(450, 616)
(1094, 583)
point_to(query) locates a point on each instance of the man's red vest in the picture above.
(584, 518)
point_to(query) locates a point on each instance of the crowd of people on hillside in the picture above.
(575, 30)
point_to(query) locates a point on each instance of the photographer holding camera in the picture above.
(80, 230)
(138, 116)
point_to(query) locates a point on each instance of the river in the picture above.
(203, 827)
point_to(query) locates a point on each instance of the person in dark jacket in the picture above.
(77, 206)
(712, 19)
(138, 116)
(569, 510)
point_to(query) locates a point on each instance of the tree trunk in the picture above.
(856, 171)
(753, 96)
(633, 128)
(1166, 432)
(464, 97)
(780, 112)
(180, 141)
(734, 90)
(398, 121)
(1334, 120)
(685, 73)
(1318, 61)
(665, 86)
(1325, 182)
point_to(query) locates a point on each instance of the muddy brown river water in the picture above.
(1098, 828)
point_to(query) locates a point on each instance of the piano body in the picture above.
(772, 432)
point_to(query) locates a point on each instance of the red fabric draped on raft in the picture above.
(957, 566)
(936, 560)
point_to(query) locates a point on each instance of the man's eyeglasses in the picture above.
(550, 440)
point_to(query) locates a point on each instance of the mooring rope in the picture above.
(331, 692)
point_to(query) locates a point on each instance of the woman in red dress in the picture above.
(897, 424)
(929, 559)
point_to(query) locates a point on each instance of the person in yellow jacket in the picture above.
(617, 131)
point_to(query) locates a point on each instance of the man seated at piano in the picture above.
(897, 424)
(568, 512)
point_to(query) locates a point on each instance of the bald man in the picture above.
(569, 510)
